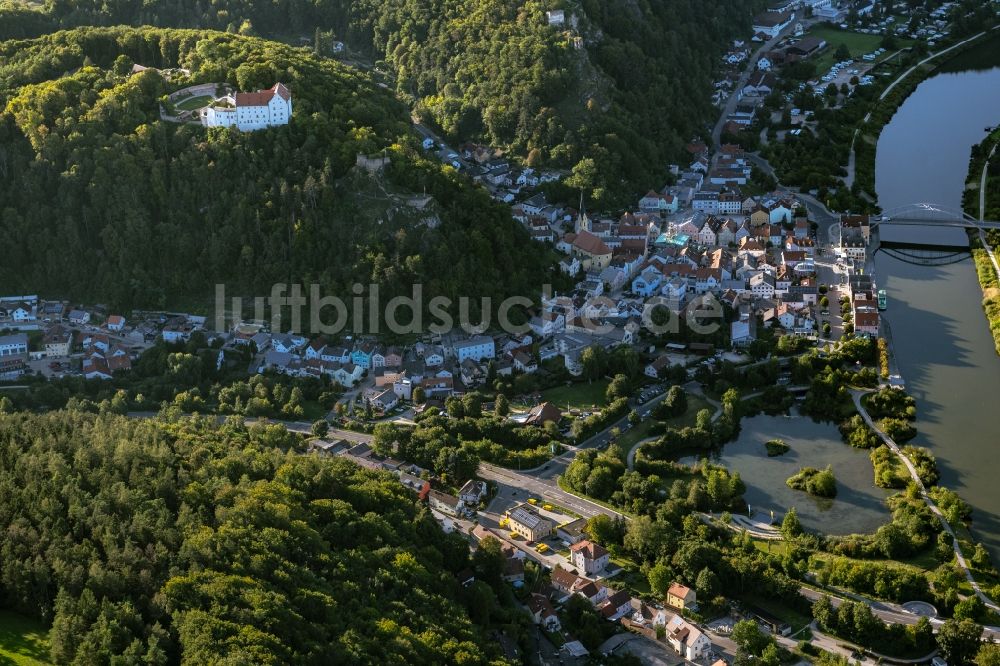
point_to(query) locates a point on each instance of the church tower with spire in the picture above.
(582, 221)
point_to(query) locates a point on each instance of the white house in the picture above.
(589, 557)
(477, 348)
(250, 111)
(79, 317)
(21, 312)
(687, 639)
(472, 492)
(115, 323)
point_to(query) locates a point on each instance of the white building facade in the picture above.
(251, 111)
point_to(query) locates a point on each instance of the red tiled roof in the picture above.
(590, 550)
(262, 97)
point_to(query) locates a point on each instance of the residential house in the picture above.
(57, 341)
(759, 216)
(288, 343)
(477, 348)
(20, 312)
(780, 213)
(444, 503)
(472, 492)
(687, 639)
(542, 612)
(617, 606)
(563, 581)
(79, 317)
(177, 329)
(513, 570)
(385, 400)
(762, 285)
(646, 615)
(570, 265)
(115, 323)
(393, 357)
(548, 323)
(525, 362)
(593, 592)
(760, 84)
(361, 355)
(706, 236)
(315, 349)
(589, 557)
(543, 413)
(654, 202)
(682, 597)
(345, 374)
(866, 320)
(654, 369)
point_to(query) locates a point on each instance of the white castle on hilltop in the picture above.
(250, 111)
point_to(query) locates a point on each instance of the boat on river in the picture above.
(882, 299)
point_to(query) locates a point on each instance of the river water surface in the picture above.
(943, 347)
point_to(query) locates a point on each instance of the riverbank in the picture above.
(866, 139)
(981, 199)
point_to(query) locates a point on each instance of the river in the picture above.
(943, 347)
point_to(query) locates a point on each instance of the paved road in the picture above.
(734, 98)
(518, 487)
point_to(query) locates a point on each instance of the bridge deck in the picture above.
(904, 221)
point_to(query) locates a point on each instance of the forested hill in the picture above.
(628, 95)
(161, 542)
(626, 87)
(104, 202)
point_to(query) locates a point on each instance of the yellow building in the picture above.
(591, 250)
(525, 520)
(760, 216)
(682, 597)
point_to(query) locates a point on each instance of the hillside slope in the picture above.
(163, 543)
(625, 83)
(111, 204)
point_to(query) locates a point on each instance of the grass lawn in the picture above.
(924, 560)
(770, 546)
(192, 103)
(857, 43)
(793, 617)
(577, 396)
(631, 578)
(641, 431)
(23, 641)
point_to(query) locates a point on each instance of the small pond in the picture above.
(859, 505)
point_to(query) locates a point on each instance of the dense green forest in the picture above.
(616, 96)
(111, 204)
(163, 542)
